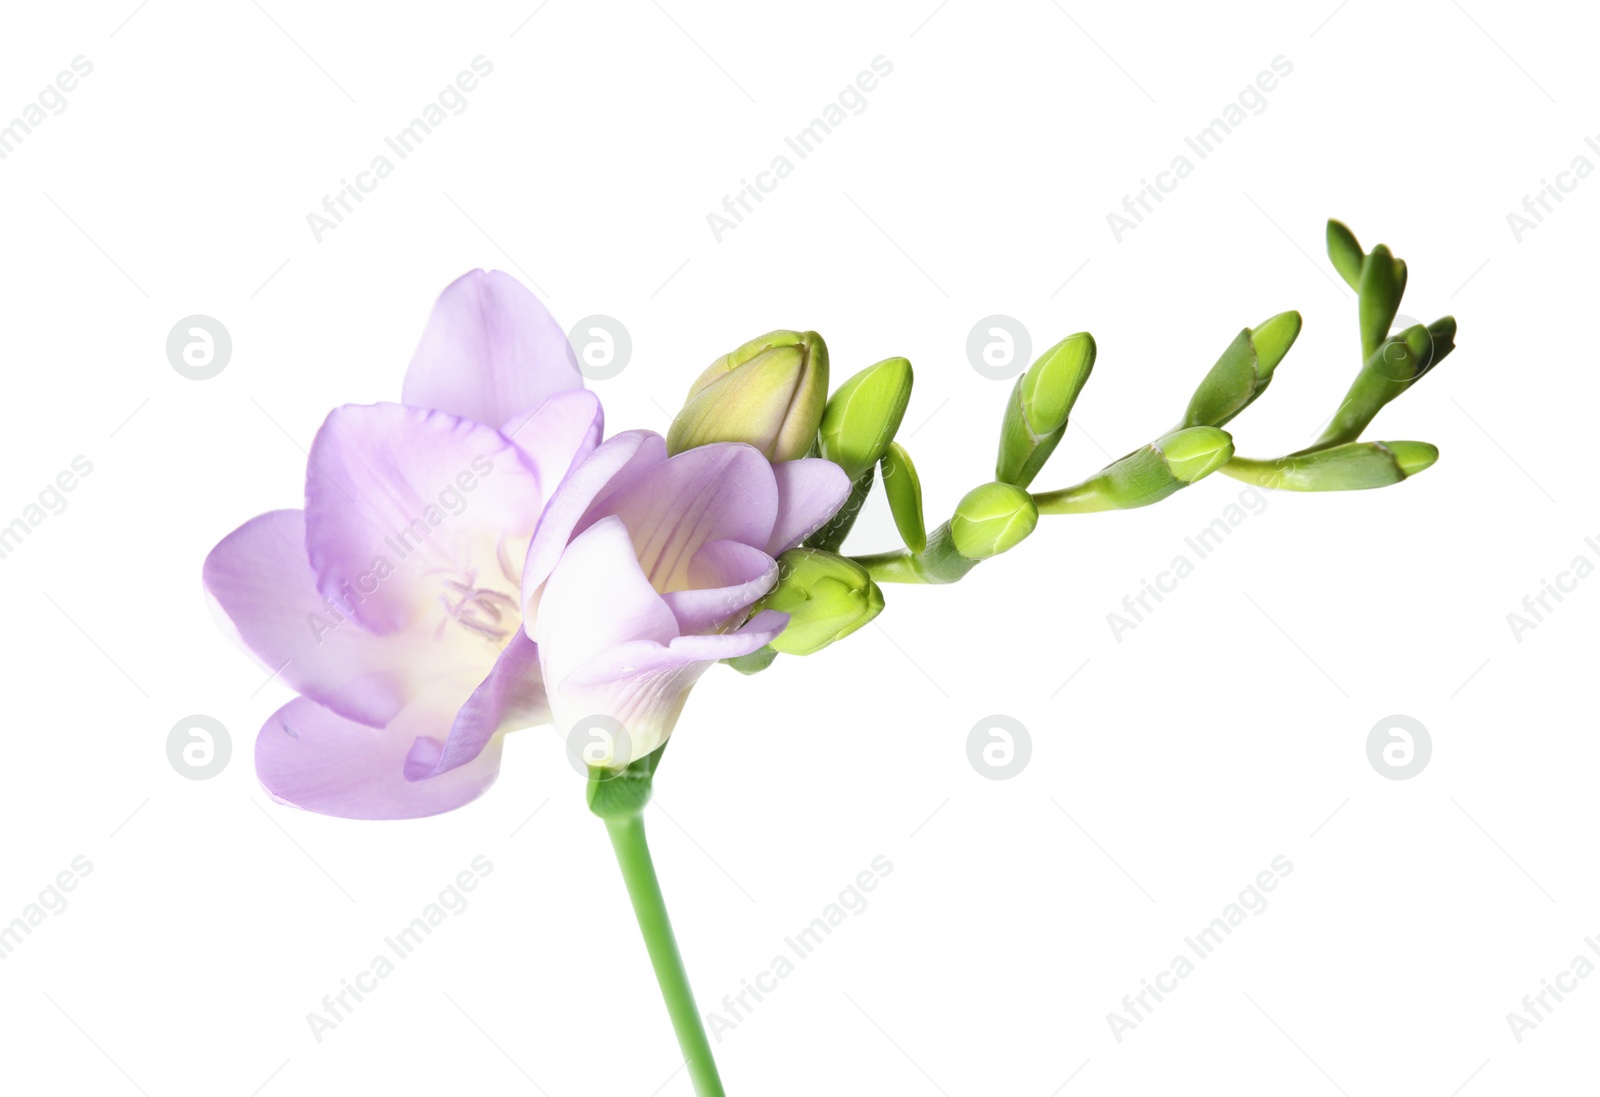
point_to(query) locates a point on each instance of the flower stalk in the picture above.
(619, 798)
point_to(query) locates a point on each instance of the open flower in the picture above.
(392, 602)
(644, 568)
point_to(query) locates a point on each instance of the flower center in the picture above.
(487, 605)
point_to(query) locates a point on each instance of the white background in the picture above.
(1227, 729)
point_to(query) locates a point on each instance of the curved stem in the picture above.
(639, 873)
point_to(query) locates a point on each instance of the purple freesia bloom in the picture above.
(644, 568)
(392, 602)
(443, 536)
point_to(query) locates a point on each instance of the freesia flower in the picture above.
(392, 602)
(644, 568)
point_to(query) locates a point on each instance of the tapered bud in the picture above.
(1397, 364)
(827, 597)
(1243, 372)
(1148, 475)
(1041, 400)
(862, 417)
(1345, 253)
(769, 393)
(904, 489)
(991, 519)
(1383, 283)
(1353, 466)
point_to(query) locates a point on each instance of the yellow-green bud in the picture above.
(862, 417)
(1036, 415)
(826, 596)
(768, 393)
(1353, 466)
(1243, 372)
(1148, 475)
(992, 518)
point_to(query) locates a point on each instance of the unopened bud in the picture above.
(769, 393)
(827, 597)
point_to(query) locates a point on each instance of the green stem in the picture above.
(639, 873)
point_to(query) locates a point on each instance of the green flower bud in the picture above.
(992, 518)
(1397, 364)
(1345, 253)
(1243, 372)
(768, 393)
(1167, 465)
(904, 489)
(1036, 416)
(827, 597)
(1353, 466)
(1383, 283)
(862, 417)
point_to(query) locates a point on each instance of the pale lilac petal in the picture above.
(596, 598)
(262, 582)
(405, 507)
(558, 434)
(614, 466)
(723, 492)
(644, 684)
(810, 492)
(490, 352)
(510, 698)
(312, 758)
(727, 576)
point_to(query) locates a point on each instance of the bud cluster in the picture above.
(772, 393)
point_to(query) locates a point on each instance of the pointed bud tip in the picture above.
(1413, 457)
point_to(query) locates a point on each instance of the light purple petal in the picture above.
(312, 758)
(405, 507)
(723, 492)
(726, 577)
(596, 598)
(490, 352)
(510, 698)
(644, 684)
(560, 433)
(262, 582)
(810, 491)
(615, 465)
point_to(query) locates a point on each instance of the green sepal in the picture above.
(832, 535)
(615, 793)
(754, 663)
(904, 489)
